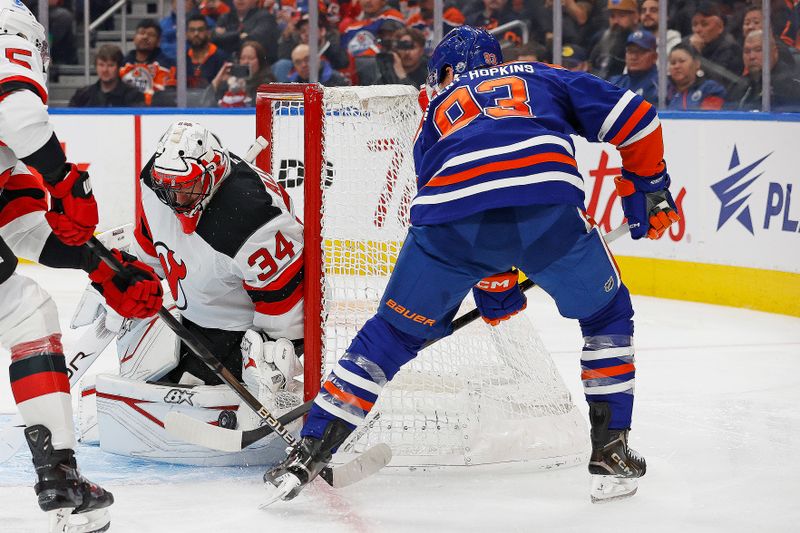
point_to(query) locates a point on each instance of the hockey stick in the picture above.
(233, 440)
(374, 455)
(90, 346)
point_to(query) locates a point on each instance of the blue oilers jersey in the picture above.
(500, 137)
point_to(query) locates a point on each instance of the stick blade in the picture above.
(197, 432)
(363, 466)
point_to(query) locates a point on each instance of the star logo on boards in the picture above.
(732, 191)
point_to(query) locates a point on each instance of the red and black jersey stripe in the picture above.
(21, 195)
(38, 375)
(281, 295)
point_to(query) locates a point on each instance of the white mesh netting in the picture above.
(483, 395)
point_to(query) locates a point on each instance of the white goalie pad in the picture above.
(130, 417)
(87, 412)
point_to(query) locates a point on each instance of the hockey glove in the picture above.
(499, 297)
(73, 211)
(135, 292)
(647, 204)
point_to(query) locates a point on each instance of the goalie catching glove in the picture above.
(499, 297)
(73, 212)
(647, 204)
(135, 292)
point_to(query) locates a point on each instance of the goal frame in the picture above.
(313, 115)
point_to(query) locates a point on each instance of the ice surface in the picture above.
(716, 417)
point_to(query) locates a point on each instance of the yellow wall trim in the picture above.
(750, 288)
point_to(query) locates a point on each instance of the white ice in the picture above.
(715, 417)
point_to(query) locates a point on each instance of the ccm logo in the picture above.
(494, 285)
(397, 308)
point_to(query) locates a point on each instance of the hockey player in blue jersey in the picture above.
(498, 186)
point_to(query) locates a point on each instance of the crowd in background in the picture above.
(714, 47)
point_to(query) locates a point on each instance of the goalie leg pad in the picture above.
(130, 417)
(147, 348)
(607, 361)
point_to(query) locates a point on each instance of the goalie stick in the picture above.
(198, 432)
(367, 462)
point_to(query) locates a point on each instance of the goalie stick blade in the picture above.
(197, 432)
(363, 466)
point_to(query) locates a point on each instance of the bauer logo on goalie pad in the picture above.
(406, 313)
(179, 396)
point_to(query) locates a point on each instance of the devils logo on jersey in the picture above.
(175, 270)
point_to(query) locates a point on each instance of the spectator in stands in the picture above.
(230, 88)
(574, 58)
(530, 51)
(490, 15)
(146, 68)
(608, 55)
(421, 18)
(785, 81)
(641, 75)
(377, 19)
(688, 91)
(575, 27)
(404, 61)
(214, 9)
(203, 58)
(246, 22)
(169, 27)
(301, 72)
(296, 32)
(648, 19)
(109, 90)
(786, 16)
(753, 20)
(63, 50)
(721, 56)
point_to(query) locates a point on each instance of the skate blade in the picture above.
(611, 488)
(63, 521)
(288, 483)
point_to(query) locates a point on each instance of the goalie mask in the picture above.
(189, 165)
(16, 19)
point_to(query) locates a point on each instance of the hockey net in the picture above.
(482, 395)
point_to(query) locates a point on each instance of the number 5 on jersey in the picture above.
(510, 96)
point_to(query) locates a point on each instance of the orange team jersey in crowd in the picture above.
(148, 77)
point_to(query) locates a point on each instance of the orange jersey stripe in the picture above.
(608, 372)
(346, 397)
(643, 108)
(550, 157)
(645, 157)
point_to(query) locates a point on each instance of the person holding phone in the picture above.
(235, 85)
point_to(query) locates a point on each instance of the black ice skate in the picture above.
(615, 467)
(305, 462)
(75, 504)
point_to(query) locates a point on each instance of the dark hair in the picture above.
(689, 49)
(149, 23)
(417, 36)
(709, 8)
(261, 53)
(197, 17)
(109, 52)
(531, 48)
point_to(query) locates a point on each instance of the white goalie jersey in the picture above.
(242, 267)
